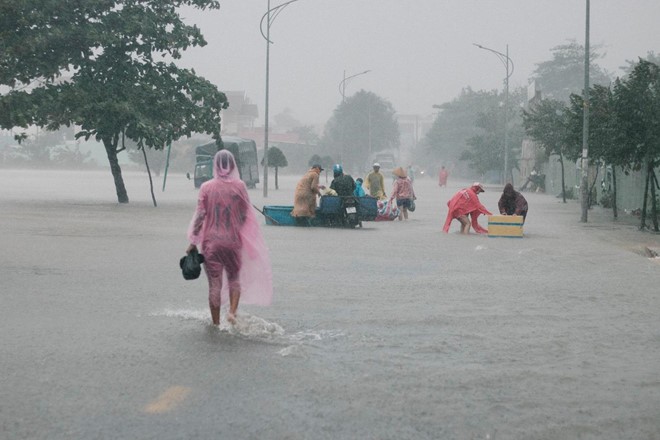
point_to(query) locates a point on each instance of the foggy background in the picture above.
(419, 52)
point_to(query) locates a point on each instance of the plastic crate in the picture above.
(505, 226)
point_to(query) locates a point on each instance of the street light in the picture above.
(342, 84)
(504, 58)
(270, 16)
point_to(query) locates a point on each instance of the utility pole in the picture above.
(584, 185)
(508, 65)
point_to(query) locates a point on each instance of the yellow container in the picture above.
(505, 226)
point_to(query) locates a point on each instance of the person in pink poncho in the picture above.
(463, 203)
(227, 233)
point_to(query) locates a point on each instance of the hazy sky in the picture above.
(419, 52)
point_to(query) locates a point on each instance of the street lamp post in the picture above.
(508, 64)
(342, 90)
(584, 183)
(270, 16)
(342, 84)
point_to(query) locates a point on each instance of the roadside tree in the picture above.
(637, 106)
(564, 73)
(277, 160)
(362, 125)
(546, 123)
(121, 85)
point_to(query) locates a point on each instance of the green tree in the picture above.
(277, 160)
(651, 57)
(455, 124)
(546, 123)
(564, 73)
(485, 150)
(604, 136)
(118, 89)
(364, 124)
(637, 106)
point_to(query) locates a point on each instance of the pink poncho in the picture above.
(224, 219)
(466, 202)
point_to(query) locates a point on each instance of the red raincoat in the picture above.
(466, 202)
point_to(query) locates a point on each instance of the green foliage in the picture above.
(117, 89)
(365, 123)
(564, 73)
(651, 57)
(637, 107)
(455, 124)
(276, 158)
(486, 148)
(547, 124)
(315, 159)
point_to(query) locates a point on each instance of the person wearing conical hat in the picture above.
(403, 192)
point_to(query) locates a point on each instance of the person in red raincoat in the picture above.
(463, 203)
(442, 176)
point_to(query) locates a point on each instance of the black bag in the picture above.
(411, 208)
(191, 265)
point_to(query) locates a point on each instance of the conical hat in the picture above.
(399, 172)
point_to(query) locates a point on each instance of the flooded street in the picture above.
(393, 331)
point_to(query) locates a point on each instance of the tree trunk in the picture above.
(151, 182)
(277, 185)
(563, 183)
(111, 150)
(591, 189)
(654, 205)
(615, 210)
(642, 225)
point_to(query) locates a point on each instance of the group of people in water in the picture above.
(308, 189)
(225, 230)
(465, 203)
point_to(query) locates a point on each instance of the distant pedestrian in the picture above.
(403, 192)
(375, 183)
(442, 176)
(228, 235)
(512, 202)
(466, 203)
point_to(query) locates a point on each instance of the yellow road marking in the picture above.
(169, 399)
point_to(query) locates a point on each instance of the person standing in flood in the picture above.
(403, 192)
(228, 235)
(442, 176)
(375, 183)
(304, 199)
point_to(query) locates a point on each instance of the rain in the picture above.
(388, 329)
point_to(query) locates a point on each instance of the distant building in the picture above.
(240, 115)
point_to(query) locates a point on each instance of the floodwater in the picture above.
(393, 331)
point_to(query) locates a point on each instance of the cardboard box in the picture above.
(505, 226)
